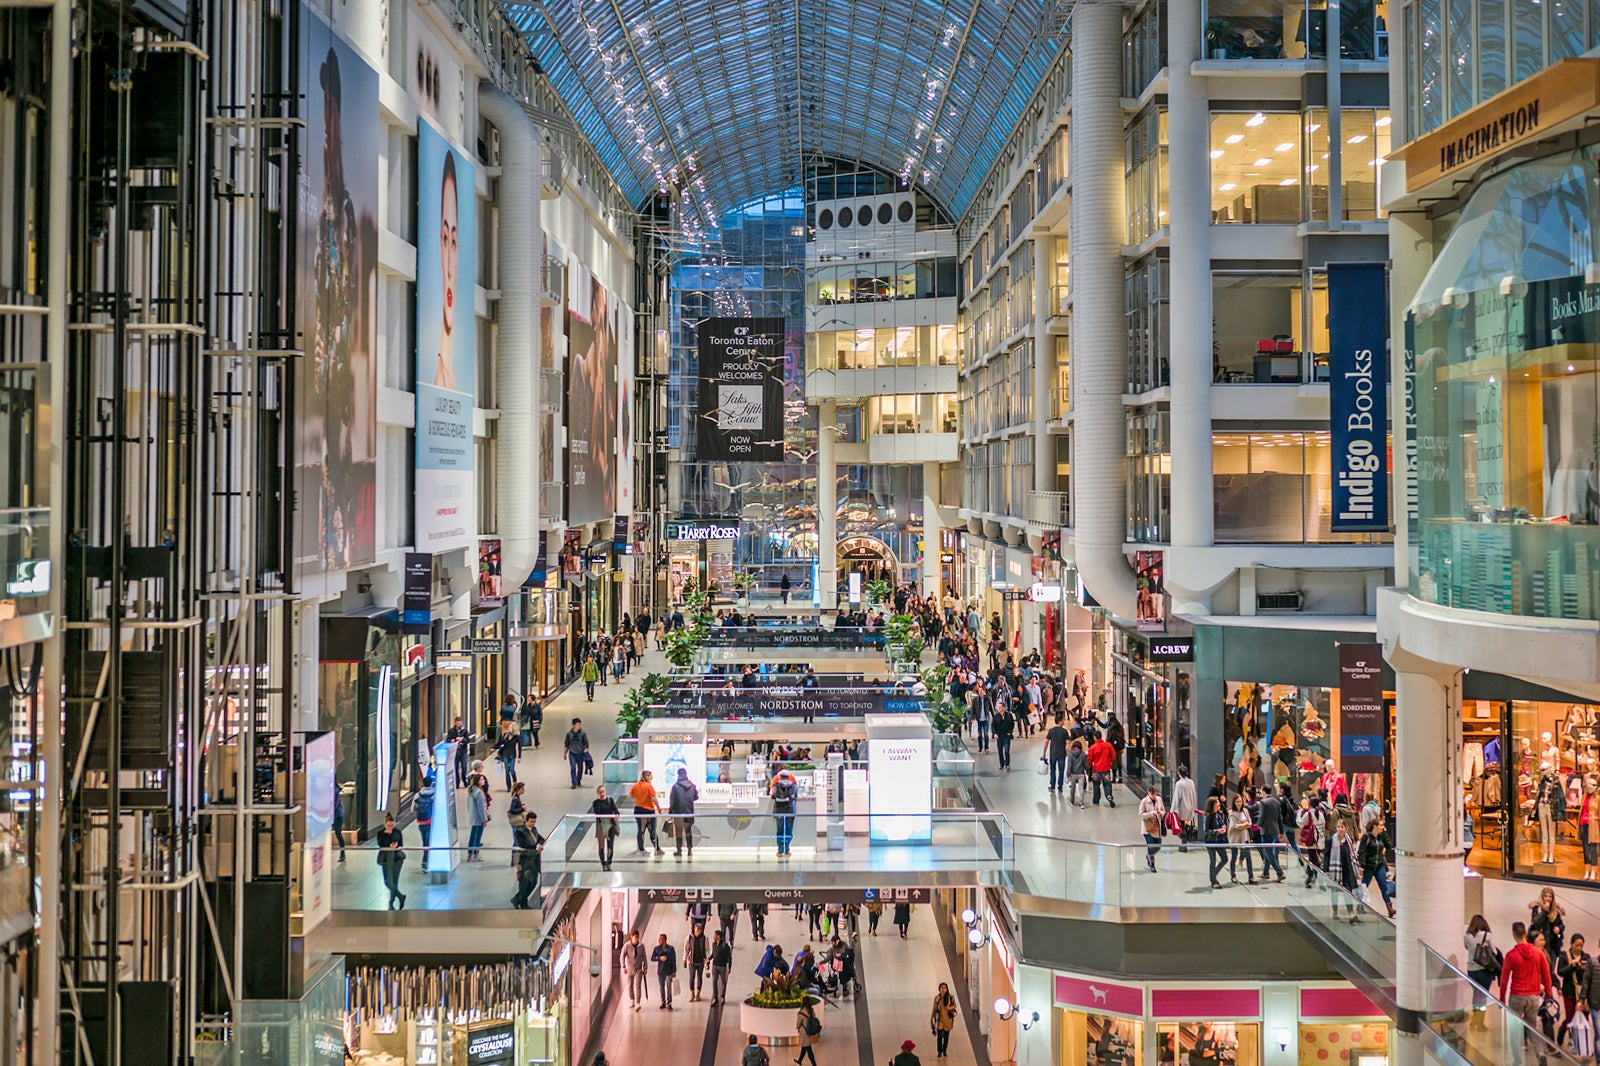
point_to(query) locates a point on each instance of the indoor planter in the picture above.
(772, 1024)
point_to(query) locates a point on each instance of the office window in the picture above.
(1364, 141)
(1149, 324)
(1255, 167)
(1149, 475)
(1146, 174)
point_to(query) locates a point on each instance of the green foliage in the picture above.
(947, 716)
(635, 707)
(681, 644)
(781, 991)
(902, 629)
(879, 592)
(744, 582)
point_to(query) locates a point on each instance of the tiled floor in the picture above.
(895, 1008)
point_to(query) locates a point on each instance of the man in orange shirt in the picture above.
(645, 806)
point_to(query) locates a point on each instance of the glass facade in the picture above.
(1146, 151)
(1507, 386)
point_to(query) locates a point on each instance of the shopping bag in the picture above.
(677, 986)
(1361, 894)
(1043, 767)
(1581, 1032)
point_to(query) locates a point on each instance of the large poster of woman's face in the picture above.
(336, 391)
(592, 399)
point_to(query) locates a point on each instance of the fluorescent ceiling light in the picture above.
(1255, 120)
(1233, 138)
(1284, 147)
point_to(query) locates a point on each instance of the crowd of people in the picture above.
(1545, 978)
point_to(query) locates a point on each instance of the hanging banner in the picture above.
(741, 390)
(541, 563)
(1358, 372)
(491, 593)
(447, 263)
(1151, 603)
(619, 534)
(416, 596)
(1361, 719)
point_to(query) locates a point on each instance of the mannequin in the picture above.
(1550, 807)
(1589, 827)
(1332, 782)
(1548, 752)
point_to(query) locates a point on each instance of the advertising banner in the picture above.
(1149, 573)
(592, 399)
(336, 446)
(447, 275)
(416, 595)
(625, 368)
(491, 587)
(741, 390)
(1362, 725)
(316, 871)
(846, 639)
(1358, 375)
(541, 562)
(810, 894)
(619, 534)
(781, 701)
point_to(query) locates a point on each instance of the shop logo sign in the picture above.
(1357, 404)
(739, 407)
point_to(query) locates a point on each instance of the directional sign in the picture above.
(671, 896)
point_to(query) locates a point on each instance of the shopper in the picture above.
(1184, 806)
(591, 675)
(634, 967)
(681, 806)
(338, 820)
(645, 805)
(528, 846)
(478, 812)
(606, 825)
(754, 1053)
(532, 721)
(1340, 863)
(391, 857)
(424, 810)
(902, 917)
(1239, 842)
(576, 745)
(1547, 916)
(1102, 757)
(696, 957)
(1151, 815)
(784, 790)
(1574, 963)
(1005, 727)
(1215, 835)
(505, 749)
(1267, 814)
(458, 735)
(666, 960)
(784, 586)
(1312, 830)
(1077, 774)
(721, 963)
(906, 1057)
(1525, 981)
(1374, 858)
(942, 1018)
(728, 920)
(808, 1027)
(1483, 968)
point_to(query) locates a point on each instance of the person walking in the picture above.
(758, 921)
(721, 963)
(1215, 835)
(907, 1056)
(1102, 757)
(506, 748)
(1373, 855)
(1239, 839)
(424, 810)
(1483, 969)
(696, 957)
(532, 720)
(808, 1027)
(516, 807)
(902, 917)
(681, 807)
(1055, 753)
(1340, 863)
(1183, 805)
(1005, 727)
(784, 790)
(1266, 812)
(942, 1018)
(1077, 774)
(645, 806)
(1312, 830)
(1151, 814)
(874, 914)
(457, 734)
(607, 821)
(634, 964)
(478, 812)
(784, 586)
(576, 745)
(666, 962)
(528, 846)
(1571, 967)
(982, 714)
(338, 820)
(591, 675)
(754, 1053)
(728, 920)
(391, 857)
(1525, 981)
(1547, 916)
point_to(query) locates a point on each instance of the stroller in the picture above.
(837, 973)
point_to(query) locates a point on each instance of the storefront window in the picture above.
(1142, 699)
(1357, 1044)
(1282, 734)
(1508, 400)
(1101, 1040)
(1222, 1043)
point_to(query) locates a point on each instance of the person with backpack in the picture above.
(1483, 969)
(576, 744)
(809, 1028)
(1077, 774)
(1313, 832)
(754, 1053)
(942, 1018)
(532, 721)
(784, 790)
(1215, 835)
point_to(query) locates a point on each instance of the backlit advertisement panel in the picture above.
(592, 399)
(447, 258)
(316, 869)
(335, 449)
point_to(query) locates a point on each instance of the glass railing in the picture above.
(621, 764)
(733, 837)
(1119, 876)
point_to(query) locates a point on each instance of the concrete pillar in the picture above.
(1189, 203)
(932, 530)
(1044, 365)
(827, 507)
(1428, 847)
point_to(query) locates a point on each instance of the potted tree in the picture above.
(744, 583)
(768, 1013)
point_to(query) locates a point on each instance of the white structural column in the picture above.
(932, 528)
(827, 506)
(1189, 201)
(1044, 365)
(1428, 848)
(1099, 329)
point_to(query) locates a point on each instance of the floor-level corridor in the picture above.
(899, 979)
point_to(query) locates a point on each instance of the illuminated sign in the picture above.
(900, 795)
(453, 662)
(33, 579)
(1171, 650)
(686, 529)
(494, 1044)
(1039, 592)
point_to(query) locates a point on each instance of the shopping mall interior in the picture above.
(1041, 532)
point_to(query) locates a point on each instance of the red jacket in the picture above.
(1527, 971)
(1101, 756)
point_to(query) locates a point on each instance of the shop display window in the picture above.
(1208, 1044)
(1101, 1040)
(1285, 734)
(1356, 1044)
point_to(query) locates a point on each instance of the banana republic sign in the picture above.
(1524, 113)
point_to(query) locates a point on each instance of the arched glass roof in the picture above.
(730, 99)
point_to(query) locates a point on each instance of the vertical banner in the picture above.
(619, 534)
(1361, 719)
(741, 390)
(1150, 581)
(1358, 373)
(316, 868)
(491, 590)
(416, 595)
(541, 562)
(592, 399)
(625, 369)
(336, 443)
(447, 267)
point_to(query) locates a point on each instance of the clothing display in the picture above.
(1471, 760)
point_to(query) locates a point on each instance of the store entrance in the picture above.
(869, 557)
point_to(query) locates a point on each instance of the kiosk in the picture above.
(669, 744)
(900, 778)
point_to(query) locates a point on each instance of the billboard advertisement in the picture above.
(447, 258)
(491, 589)
(1150, 591)
(592, 399)
(1358, 376)
(336, 444)
(741, 390)
(1363, 719)
(316, 869)
(625, 367)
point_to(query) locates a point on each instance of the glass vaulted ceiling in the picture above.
(733, 99)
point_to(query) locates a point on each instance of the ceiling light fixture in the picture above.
(1255, 120)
